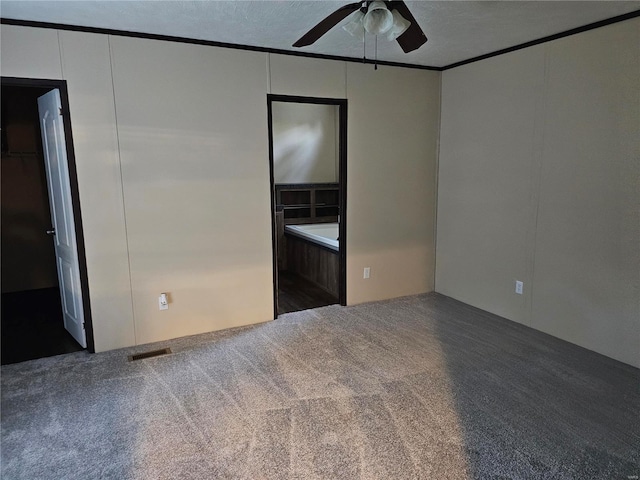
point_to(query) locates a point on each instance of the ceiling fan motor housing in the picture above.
(373, 17)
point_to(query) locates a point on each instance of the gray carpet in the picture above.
(418, 387)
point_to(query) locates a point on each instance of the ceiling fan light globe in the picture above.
(355, 27)
(400, 25)
(378, 19)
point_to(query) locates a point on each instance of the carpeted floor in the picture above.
(418, 387)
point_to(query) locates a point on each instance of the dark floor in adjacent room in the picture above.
(32, 326)
(421, 387)
(296, 293)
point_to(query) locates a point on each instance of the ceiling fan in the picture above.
(375, 17)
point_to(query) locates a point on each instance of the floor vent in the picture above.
(153, 353)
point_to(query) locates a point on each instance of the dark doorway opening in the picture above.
(308, 167)
(32, 320)
(32, 326)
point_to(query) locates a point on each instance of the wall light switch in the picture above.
(519, 286)
(163, 302)
(367, 272)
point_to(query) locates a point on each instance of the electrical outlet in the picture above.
(163, 302)
(367, 272)
(519, 287)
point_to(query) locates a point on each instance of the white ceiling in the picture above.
(457, 30)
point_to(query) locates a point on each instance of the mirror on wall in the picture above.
(305, 143)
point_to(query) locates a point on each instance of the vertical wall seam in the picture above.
(124, 209)
(268, 72)
(60, 54)
(346, 79)
(537, 179)
(436, 183)
(336, 149)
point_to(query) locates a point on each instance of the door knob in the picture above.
(51, 232)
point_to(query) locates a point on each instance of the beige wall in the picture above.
(43, 53)
(587, 261)
(87, 69)
(391, 180)
(171, 149)
(392, 137)
(30, 52)
(538, 181)
(487, 181)
(196, 186)
(305, 142)
(307, 77)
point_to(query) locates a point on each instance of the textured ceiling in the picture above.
(457, 30)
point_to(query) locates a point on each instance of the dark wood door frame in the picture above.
(342, 181)
(61, 85)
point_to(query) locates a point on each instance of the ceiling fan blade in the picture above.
(327, 24)
(413, 38)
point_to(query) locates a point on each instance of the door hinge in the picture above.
(61, 111)
(83, 325)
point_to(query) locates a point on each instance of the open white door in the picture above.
(63, 232)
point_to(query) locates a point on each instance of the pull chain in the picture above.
(376, 59)
(364, 48)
